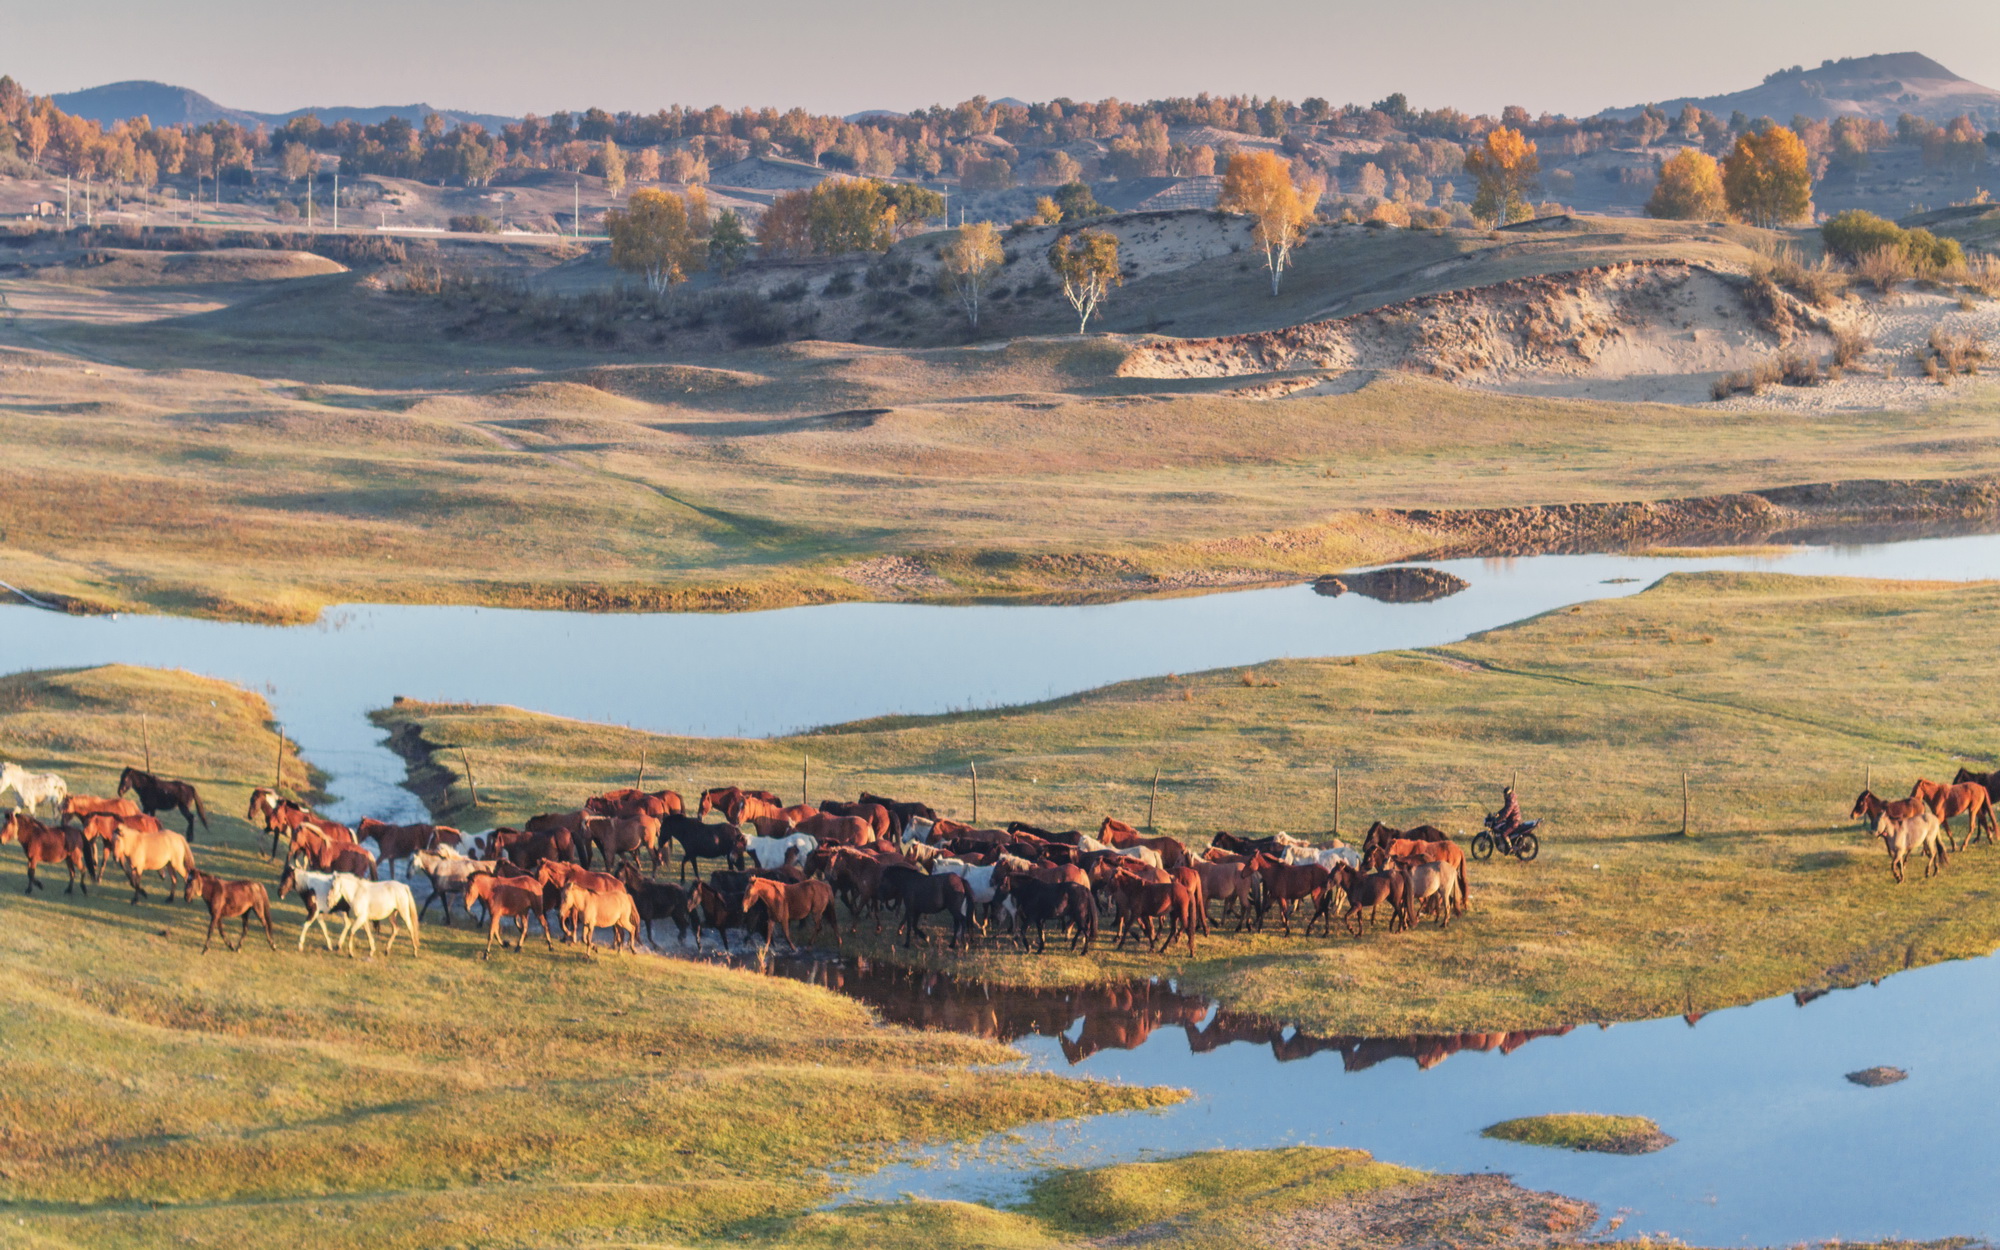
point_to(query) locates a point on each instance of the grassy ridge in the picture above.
(1776, 694)
(157, 1096)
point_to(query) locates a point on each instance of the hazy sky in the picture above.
(512, 56)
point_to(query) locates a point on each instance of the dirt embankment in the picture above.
(1794, 513)
(1637, 324)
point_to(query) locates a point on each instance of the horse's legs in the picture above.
(264, 914)
(213, 914)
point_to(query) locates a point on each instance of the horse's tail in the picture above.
(202, 812)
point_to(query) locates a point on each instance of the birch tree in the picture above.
(660, 234)
(1259, 186)
(1086, 262)
(971, 261)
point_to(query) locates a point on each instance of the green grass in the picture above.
(158, 1096)
(1603, 1134)
(1776, 695)
(1215, 1198)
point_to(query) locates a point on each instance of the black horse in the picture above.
(919, 894)
(900, 813)
(700, 840)
(1039, 902)
(157, 794)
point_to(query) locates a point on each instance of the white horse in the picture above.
(1325, 858)
(372, 901)
(315, 890)
(34, 789)
(770, 852)
(450, 873)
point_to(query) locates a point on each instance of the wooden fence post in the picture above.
(642, 768)
(975, 792)
(1336, 800)
(805, 780)
(278, 775)
(1152, 801)
(470, 784)
(146, 731)
(1684, 803)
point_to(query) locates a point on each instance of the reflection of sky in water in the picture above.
(1775, 1146)
(772, 672)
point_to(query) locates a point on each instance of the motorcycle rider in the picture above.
(1505, 821)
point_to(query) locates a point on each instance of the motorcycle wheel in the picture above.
(1482, 846)
(1527, 846)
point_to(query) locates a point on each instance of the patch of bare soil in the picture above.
(1658, 329)
(1450, 1213)
(894, 577)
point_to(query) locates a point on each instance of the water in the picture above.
(765, 673)
(1775, 1145)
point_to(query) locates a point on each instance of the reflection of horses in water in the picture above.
(1119, 1017)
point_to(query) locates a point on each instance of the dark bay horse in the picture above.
(1968, 799)
(229, 899)
(158, 794)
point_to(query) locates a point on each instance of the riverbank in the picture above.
(158, 1096)
(1601, 708)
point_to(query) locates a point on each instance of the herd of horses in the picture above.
(605, 866)
(1921, 823)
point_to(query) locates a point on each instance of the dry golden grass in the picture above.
(1775, 694)
(156, 1096)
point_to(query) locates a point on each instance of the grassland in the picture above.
(267, 447)
(1776, 695)
(159, 1097)
(1602, 1134)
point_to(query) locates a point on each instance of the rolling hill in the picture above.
(1884, 86)
(168, 105)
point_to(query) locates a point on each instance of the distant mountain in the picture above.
(168, 105)
(1864, 86)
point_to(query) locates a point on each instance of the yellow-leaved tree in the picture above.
(1689, 189)
(1508, 171)
(1259, 185)
(660, 234)
(970, 262)
(1768, 178)
(1086, 263)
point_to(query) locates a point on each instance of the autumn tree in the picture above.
(849, 215)
(645, 165)
(660, 234)
(609, 163)
(970, 262)
(1259, 185)
(1086, 263)
(1689, 188)
(295, 160)
(781, 230)
(1766, 178)
(1508, 172)
(916, 206)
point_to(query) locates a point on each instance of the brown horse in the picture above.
(43, 845)
(312, 844)
(1141, 903)
(1867, 807)
(1410, 854)
(229, 899)
(1968, 799)
(152, 850)
(1380, 834)
(80, 807)
(631, 802)
(1286, 884)
(721, 798)
(784, 903)
(520, 898)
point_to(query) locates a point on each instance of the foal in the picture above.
(229, 899)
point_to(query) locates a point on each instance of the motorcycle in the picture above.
(1521, 841)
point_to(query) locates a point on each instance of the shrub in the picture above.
(1849, 345)
(838, 285)
(1819, 284)
(1855, 233)
(1932, 256)
(473, 223)
(1982, 274)
(1884, 267)
(1799, 369)
(1956, 353)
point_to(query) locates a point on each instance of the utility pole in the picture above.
(336, 199)
(69, 222)
(576, 209)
